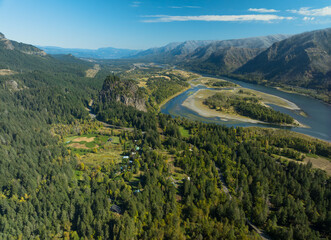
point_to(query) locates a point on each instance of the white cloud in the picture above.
(262, 10)
(308, 18)
(326, 11)
(184, 7)
(215, 18)
(135, 4)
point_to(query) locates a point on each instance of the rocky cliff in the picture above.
(124, 91)
(21, 47)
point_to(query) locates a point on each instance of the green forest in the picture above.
(247, 106)
(170, 185)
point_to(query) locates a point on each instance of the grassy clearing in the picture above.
(184, 132)
(90, 73)
(4, 72)
(317, 162)
(209, 81)
(89, 143)
(110, 155)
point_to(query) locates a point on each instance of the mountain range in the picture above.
(301, 60)
(100, 53)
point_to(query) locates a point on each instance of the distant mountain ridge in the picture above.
(21, 47)
(302, 60)
(23, 58)
(170, 52)
(184, 51)
(100, 53)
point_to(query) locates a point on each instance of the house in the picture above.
(125, 157)
(115, 208)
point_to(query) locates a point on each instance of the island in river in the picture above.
(197, 101)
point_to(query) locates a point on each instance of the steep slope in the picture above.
(101, 53)
(302, 60)
(124, 91)
(21, 47)
(210, 56)
(171, 52)
(221, 57)
(220, 61)
(25, 58)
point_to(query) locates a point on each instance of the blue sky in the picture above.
(142, 24)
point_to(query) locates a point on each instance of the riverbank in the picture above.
(195, 103)
(173, 96)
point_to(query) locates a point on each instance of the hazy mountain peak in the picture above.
(2, 35)
(100, 53)
(178, 51)
(303, 59)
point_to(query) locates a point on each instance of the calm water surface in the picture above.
(318, 119)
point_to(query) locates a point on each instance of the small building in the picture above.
(115, 208)
(125, 157)
(109, 140)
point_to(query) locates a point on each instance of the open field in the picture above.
(184, 132)
(208, 81)
(4, 72)
(90, 73)
(316, 161)
(78, 145)
(184, 74)
(84, 139)
(319, 162)
(263, 97)
(87, 142)
(111, 154)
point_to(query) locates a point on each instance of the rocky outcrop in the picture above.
(124, 91)
(24, 48)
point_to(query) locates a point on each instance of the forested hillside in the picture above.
(66, 176)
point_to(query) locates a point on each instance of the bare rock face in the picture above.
(24, 48)
(124, 91)
(12, 86)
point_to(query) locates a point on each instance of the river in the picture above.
(318, 113)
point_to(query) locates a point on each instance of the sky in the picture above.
(142, 24)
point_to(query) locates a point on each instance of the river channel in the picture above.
(318, 113)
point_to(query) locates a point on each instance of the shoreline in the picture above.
(173, 96)
(195, 103)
